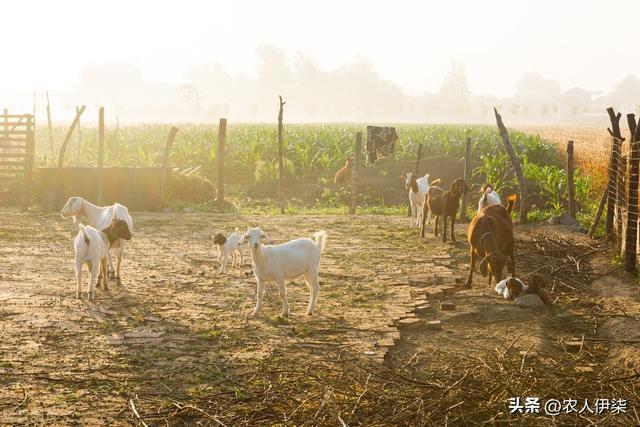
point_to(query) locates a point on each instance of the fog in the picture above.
(539, 62)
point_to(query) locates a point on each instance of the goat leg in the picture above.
(424, 218)
(444, 228)
(512, 270)
(103, 273)
(471, 267)
(259, 296)
(453, 224)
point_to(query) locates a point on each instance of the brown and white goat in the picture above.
(490, 235)
(443, 204)
(344, 174)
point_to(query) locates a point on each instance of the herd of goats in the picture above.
(490, 235)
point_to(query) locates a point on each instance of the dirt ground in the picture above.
(173, 345)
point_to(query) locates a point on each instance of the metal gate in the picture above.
(17, 150)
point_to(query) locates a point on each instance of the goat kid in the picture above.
(532, 295)
(231, 245)
(279, 263)
(489, 197)
(417, 188)
(91, 247)
(443, 204)
(100, 217)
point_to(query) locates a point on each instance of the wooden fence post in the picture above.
(621, 198)
(79, 135)
(467, 178)
(280, 156)
(28, 163)
(165, 164)
(616, 142)
(571, 188)
(630, 254)
(53, 153)
(515, 165)
(6, 124)
(354, 173)
(100, 156)
(63, 149)
(222, 139)
(596, 219)
(415, 172)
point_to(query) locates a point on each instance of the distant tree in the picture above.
(575, 101)
(189, 95)
(454, 91)
(538, 93)
(626, 94)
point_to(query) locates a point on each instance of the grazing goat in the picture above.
(100, 217)
(286, 262)
(231, 245)
(443, 204)
(92, 247)
(344, 174)
(488, 198)
(417, 188)
(490, 235)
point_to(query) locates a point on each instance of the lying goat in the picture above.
(490, 235)
(231, 245)
(443, 204)
(417, 188)
(100, 217)
(531, 295)
(488, 198)
(284, 262)
(92, 247)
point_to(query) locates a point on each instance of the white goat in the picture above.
(100, 217)
(488, 198)
(286, 262)
(91, 247)
(531, 295)
(417, 188)
(231, 245)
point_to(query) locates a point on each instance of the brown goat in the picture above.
(490, 235)
(443, 203)
(344, 174)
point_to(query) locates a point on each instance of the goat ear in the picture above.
(484, 266)
(243, 238)
(264, 237)
(403, 176)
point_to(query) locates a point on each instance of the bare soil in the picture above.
(173, 345)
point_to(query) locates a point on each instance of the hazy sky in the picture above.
(590, 44)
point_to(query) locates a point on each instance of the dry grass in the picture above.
(592, 147)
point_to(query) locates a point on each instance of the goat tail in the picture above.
(321, 239)
(512, 202)
(84, 233)
(435, 182)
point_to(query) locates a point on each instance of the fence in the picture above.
(621, 192)
(17, 147)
